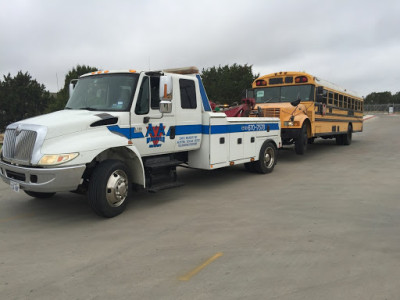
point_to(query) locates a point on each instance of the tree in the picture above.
(379, 98)
(227, 84)
(63, 95)
(21, 97)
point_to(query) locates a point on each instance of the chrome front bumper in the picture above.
(44, 180)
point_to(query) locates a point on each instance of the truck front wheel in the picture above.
(109, 188)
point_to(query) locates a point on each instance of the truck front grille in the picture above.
(18, 145)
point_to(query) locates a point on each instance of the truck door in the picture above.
(149, 126)
(188, 130)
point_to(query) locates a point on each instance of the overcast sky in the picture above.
(355, 44)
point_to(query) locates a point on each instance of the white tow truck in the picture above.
(122, 129)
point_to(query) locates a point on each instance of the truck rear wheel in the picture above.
(267, 159)
(109, 188)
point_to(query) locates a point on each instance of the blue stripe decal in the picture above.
(200, 129)
(187, 129)
(221, 129)
(127, 132)
(204, 98)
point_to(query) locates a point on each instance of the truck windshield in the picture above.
(108, 92)
(284, 93)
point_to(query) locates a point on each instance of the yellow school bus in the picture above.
(308, 108)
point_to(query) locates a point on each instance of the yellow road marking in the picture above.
(189, 275)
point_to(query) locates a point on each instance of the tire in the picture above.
(300, 145)
(39, 194)
(267, 159)
(348, 136)
(109, 188)
(339, 139)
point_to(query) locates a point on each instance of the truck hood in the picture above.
(67, 121)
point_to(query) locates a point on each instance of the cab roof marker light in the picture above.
(132, 71)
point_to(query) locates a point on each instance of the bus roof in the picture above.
(318, 81)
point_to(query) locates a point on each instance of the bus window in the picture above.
(341, 100)
(325, 96)
(345, 102)
(336, 96)
(330, 98)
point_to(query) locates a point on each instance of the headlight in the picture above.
(291, 123)
(56, 159)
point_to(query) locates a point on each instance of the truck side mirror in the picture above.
(165, 87)
(72, 85)
(165, 106)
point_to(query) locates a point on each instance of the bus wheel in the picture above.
(347, 137)
(267, 159)
(300, 145)
(339, 139)
(109, 188)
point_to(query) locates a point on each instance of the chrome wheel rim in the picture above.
(269, 157)
(117, 188)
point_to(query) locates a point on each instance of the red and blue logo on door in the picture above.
(155, 135)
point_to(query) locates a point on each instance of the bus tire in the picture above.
(339, 139)
(300, 144)
(267, 159)
(109, 188)
(348, 136)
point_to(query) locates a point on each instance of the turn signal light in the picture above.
(301, 79)
(261, 83)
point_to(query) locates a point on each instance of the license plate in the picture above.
(14, 186)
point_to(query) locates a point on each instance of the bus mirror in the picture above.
(320, 90)
(295, 102)
(166, 87)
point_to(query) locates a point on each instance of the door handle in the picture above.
(172, 132)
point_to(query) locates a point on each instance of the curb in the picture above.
(367, 117)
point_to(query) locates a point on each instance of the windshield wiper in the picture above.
(88, 108)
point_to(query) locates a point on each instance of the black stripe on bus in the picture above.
(339, 115)
(337, 120)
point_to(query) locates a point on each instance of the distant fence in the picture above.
(381, 107)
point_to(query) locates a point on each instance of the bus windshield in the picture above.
(109, 92)
(284, 93)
